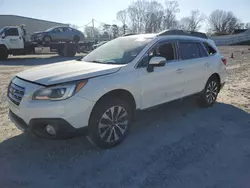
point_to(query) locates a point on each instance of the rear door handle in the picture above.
(179, 71)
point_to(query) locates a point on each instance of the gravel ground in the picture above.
(174, 145)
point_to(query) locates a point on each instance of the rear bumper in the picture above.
(37, 127)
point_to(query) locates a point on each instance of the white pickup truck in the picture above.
(12, 43)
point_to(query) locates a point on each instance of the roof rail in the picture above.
(183, 32)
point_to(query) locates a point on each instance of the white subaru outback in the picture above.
(100, 93)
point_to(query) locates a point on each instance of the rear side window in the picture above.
(12, 32)
(189, 50)
(209, 48)
(203, 52)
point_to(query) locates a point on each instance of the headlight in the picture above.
(59, 92)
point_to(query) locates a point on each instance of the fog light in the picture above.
(51, 130)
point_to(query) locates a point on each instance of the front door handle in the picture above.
(179, 71)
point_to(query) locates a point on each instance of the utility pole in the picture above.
(93, 25)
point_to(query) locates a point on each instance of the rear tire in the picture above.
(3, 54)
(70, 52)
(109, 123)
(209, 95)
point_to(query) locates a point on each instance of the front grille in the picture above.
(15, 93)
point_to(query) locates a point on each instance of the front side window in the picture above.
(57, 30)
(166, 50)
(122, 50)
(189, 50)
(12, 32)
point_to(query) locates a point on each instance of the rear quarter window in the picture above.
(209, 48)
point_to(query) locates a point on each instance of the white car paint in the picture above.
(174, 80)
(67, 72)
(13, 42)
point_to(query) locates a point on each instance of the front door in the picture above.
(164, 83)
(13, 39)
(57, 34)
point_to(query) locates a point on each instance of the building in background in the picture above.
(31, 24)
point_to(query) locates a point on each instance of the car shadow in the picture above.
(37, 60)
(34, 162)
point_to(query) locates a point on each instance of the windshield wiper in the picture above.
(103, 62)
(97, 61)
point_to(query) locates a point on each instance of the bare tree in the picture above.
(172, 8)
(115, 30)
(89, 32)
(222, 22)
(154, 17)
(122, 16)
(193, 22)
(137, 12)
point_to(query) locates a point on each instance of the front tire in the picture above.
(109, 123)
(47, 39)
(3, 54)
(209, 94)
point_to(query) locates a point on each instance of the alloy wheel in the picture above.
(211, 92)
(113, 124)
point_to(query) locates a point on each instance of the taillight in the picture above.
(224, 61)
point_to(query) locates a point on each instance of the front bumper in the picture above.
(37, 127)
(71, 115)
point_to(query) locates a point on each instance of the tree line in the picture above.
(145, 16)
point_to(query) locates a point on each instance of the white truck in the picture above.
(13, 43)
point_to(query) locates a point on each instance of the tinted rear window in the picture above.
(209, 48)
(189, 50)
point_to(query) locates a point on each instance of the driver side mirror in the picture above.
(156, 61)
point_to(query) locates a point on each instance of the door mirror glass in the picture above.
(157, 61)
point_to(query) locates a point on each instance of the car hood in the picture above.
(66, 72)
(39, 32)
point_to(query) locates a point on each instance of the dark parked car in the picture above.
(55, 34)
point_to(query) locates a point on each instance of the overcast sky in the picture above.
(80, 12)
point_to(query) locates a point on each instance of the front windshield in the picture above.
(118, 51)
(3, 30)
(50, 29)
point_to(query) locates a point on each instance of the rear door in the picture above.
(68, 33)
(194, 61)
(13, 38)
